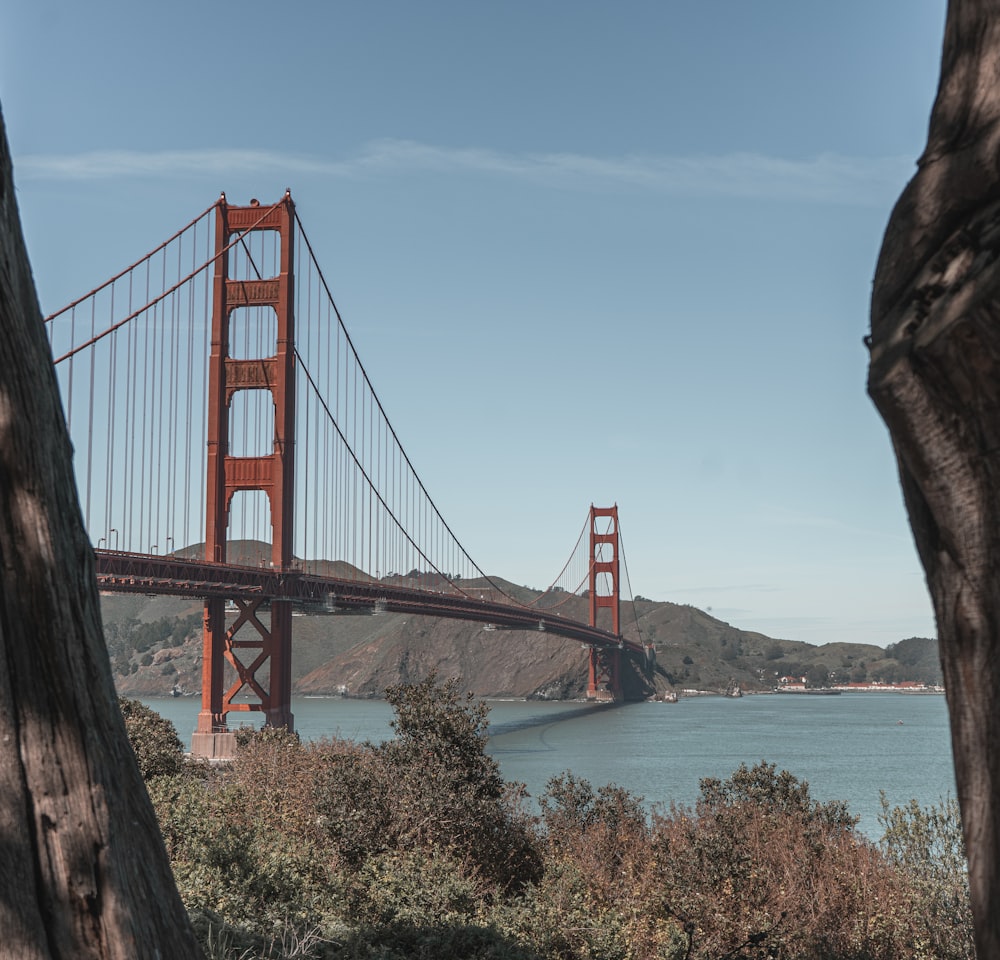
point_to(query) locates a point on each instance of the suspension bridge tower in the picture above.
(257, 644)
(604, 682)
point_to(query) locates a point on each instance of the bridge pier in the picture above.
(604, 682)
(278, 706)
(211, 738)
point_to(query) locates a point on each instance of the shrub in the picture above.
(600, 895)
(233, 858)
(154, 740)
(759, 868)
(564, 916)
(308, 830)
(603, 825)
(775, 793)
(446, 792)
(421, 888)
(417, 847)
(928, 846)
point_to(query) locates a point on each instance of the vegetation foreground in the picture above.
(418, 848)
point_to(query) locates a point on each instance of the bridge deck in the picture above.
(122, 572)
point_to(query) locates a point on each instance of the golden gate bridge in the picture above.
(216, 403)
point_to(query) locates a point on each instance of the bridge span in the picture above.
(150, 574)
(214, 394)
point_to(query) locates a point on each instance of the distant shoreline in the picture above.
(815, 691)
(920, 691)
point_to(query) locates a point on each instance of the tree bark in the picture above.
(935, 378)
(83, 870)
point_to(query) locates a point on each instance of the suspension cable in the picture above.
(392, 430)
(166, 293)
(118, 276)
(635, 613)
(364, 473)
(569, 560)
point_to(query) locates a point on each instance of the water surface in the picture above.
(848, 747)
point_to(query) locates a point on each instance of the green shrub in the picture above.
(232, 858)
(154, 740)
(446, 792)
(775, 793)
(565, 916)
(758, 868)
(421, 888)
(417, 847)
(928, 846)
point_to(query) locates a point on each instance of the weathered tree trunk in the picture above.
(935, 378)
(83, 871)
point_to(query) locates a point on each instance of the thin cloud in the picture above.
(827, 178)
(108, 164)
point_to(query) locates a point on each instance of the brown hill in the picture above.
(155, 645)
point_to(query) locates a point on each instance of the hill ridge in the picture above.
(155, 646)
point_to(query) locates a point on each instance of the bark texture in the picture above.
(83, 871)
(935, 378)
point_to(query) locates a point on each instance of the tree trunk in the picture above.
(83, 871)
(935, 378)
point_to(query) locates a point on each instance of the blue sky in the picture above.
(588, 252)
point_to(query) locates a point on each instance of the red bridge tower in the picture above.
(605, 664)
(266, 636)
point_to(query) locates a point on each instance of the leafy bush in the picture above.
(774, 793)
(432, 788)
(594, 896)
(420, 888)
(565, 916)
(928, 846)
(447, 792)
(235, 859)
(760, 868)
(154, 740)
(417, 847)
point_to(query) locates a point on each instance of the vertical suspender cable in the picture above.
(143, 429)
(205, 351)
(186, 493)
(172, 458)
(157, 464)
(111, 459)
(69, 390)
(90, 420)
(130, 419)
(329, 450)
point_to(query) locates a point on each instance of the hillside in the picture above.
(155, 647)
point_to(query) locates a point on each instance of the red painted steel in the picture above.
(248, 610)
(270, 635)
(604, 682)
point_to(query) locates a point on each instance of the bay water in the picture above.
(848, 747)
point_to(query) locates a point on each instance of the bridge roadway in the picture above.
(121, 572)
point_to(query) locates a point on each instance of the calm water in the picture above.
(847, 747)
